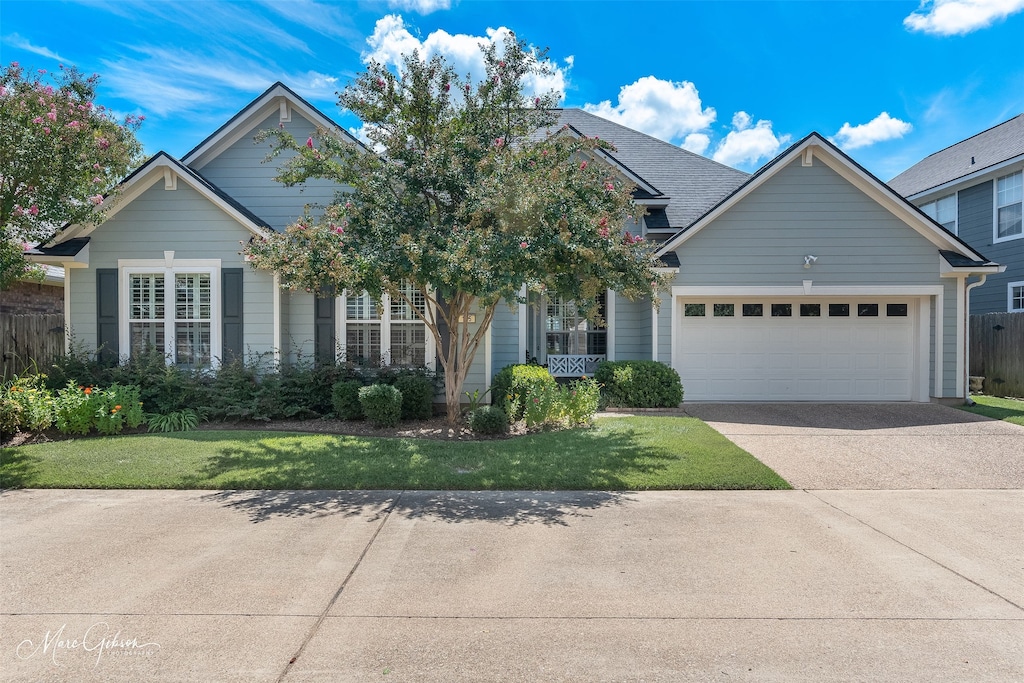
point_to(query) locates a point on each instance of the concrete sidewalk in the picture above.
(435, 586)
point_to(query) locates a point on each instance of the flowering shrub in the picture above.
(34, 401)
(73, 409)
(580, 401)
(81, 409)
(514, 383)
(43, 120)
(117, 407)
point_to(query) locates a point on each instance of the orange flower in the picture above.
(117, 407)
(88, 390)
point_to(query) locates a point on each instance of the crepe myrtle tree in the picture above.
(470, 194)
(61, 155)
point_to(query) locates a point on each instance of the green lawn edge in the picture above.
(618, 454)
(1006, 409)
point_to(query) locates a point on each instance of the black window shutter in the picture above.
(231, 313)
(107, 340)
(324, 337)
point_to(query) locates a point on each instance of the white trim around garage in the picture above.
(924, 296)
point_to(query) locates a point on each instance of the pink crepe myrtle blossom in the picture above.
(309, 142)
(447, 87)
(583, 165)
(96, 166)
(38, 119)
(609, 187)
(46, 129)
(103, 143)
(523, 245)
(97, 180)
(96, 199)
(52, 115)
(33, 210)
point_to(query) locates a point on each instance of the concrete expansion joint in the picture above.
(337, 594)
(916, 551)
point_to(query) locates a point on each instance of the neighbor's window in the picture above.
(1009, 196)
(1016, 296)
(942, 211)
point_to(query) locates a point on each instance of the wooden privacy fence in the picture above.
(997, 352)
(29, 341)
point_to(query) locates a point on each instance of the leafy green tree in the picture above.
(471, 194)
(61, 155)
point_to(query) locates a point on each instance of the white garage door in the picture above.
(797, 349)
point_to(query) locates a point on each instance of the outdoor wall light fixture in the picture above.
(809, 260)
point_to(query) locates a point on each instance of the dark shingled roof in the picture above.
(68, 248)
(960, 261)
(692, 183)
(986, 149)
(669, 260)
(656, 219)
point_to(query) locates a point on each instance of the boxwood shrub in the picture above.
(345, 398)
(639, 384)
(488, 420)
(382, 404)
(417, 396)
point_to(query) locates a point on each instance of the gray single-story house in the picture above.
(808, 280)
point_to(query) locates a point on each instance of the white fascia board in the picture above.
(965, 181)
(947, 270)
(79, 260)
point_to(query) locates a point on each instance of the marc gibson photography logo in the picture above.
(98, 639)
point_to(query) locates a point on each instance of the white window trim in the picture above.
(168, 267)
(385, 321)
(1009, 297)
(995, 210)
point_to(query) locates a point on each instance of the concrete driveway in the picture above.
(874, 445)
(436, 586)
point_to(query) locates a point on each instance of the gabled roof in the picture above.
(977, 153)
(163, 166)
(691, 183)
(814, 146)
(278, 97)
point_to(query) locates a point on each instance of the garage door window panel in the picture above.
(753, 310)
(782, 310)
(867, 310)
(810, 310)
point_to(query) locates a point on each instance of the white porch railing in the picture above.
(570, 365)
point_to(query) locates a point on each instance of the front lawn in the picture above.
(1007, 409)
(620, 453)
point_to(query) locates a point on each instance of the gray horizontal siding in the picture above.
(632, 329)
(185, 222)
(505, 337)
(762, 241)
(298, 327)
(242, 172)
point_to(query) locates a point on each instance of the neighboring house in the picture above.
(32, 297)
(810, 280)
(975, 189)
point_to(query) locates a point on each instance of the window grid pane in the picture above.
(362, 307)
(146, 291)
(192, 344)
(192, 296)
(1018, 298)
(146, 337)
(569, 332)
(408, 344)
(400, 309)
(362, 343)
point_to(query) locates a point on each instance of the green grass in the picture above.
(628, 453)
(1007, 409)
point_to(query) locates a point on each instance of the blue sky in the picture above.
(890, 82)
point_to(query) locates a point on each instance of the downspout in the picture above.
(967, 338)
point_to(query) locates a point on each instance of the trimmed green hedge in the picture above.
(382, 404)
(639, 384)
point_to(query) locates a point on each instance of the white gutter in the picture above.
(967, 338)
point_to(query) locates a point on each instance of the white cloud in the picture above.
(420, 6)
(667, 110)
(958, 17)
(696, 142)
(882, 127)
(391, 40)
(748, 144)
(15, 40)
